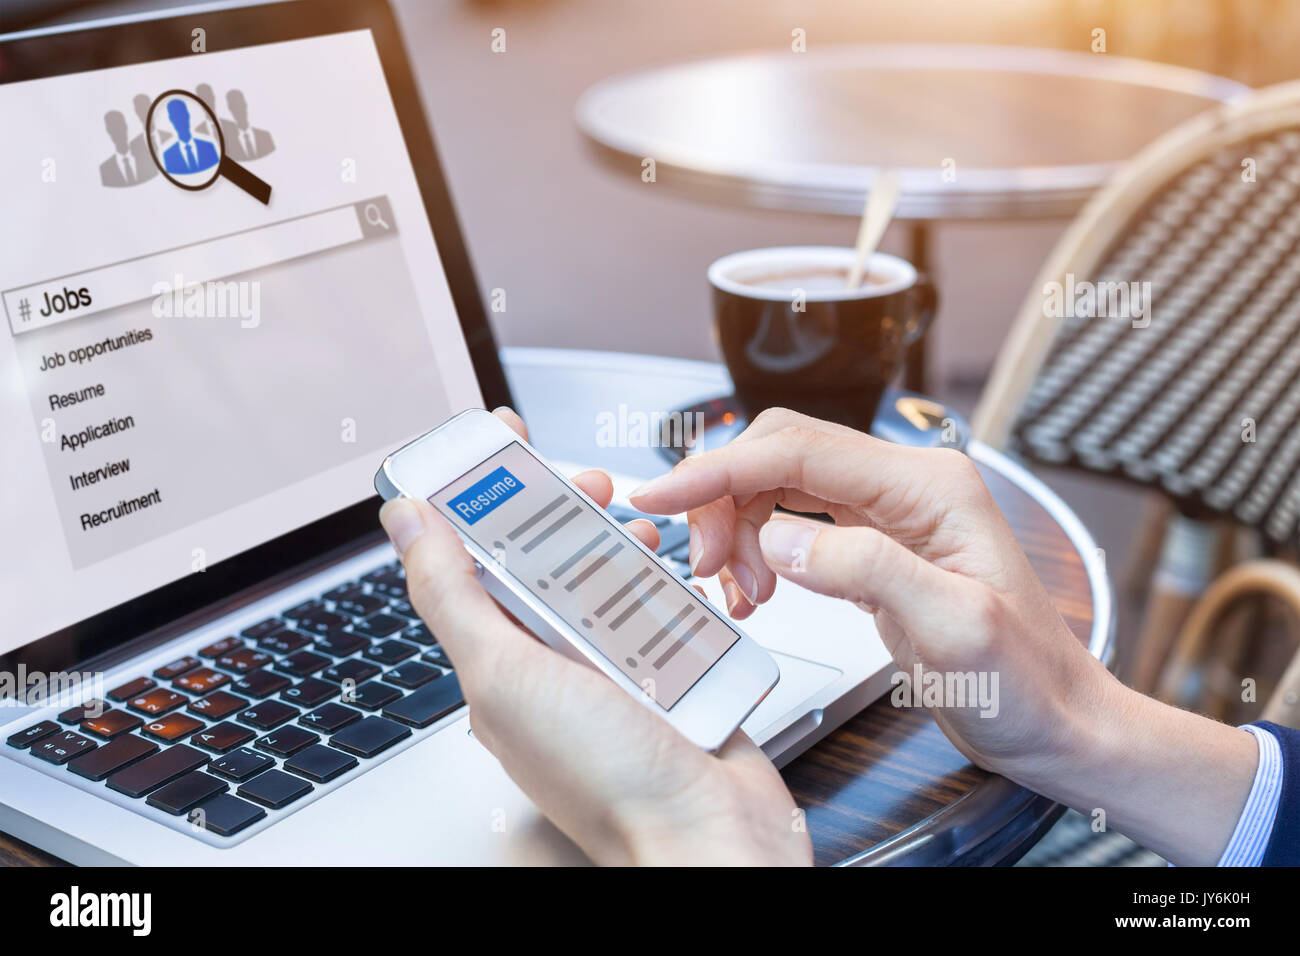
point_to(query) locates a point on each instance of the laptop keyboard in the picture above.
(245, 727)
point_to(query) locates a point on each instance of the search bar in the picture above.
(80, 294)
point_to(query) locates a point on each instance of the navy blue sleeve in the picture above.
(1284, 844)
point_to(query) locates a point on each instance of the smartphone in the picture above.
(578, 580)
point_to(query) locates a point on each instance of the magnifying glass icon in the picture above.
(374, 216)
(193, 150)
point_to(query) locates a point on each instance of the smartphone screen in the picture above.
(643, 618)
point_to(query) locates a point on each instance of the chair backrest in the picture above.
(1194, 387)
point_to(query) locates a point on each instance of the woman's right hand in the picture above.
(917, 541)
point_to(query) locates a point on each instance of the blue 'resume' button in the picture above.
(485, 494)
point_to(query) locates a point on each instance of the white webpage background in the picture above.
(325, 100)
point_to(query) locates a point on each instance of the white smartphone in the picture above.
(575, 577)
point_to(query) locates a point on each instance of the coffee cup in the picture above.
(793, 334)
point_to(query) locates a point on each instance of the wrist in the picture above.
(1173, 781)
(727, 833)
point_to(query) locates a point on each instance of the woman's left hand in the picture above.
(615, 777)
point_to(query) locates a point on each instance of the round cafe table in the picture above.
(977, 132)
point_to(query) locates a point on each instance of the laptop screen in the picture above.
(190, 371)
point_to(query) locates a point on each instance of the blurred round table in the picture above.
(978, 132)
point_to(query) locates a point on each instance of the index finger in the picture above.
(851, 469)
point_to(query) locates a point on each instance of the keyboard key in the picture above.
(355, 670)
(391, 570)
(371, 695)
(420, 635)
(322, 622)
(239, 765)
(286, 741)
(152, 772)
(176, 668)
(261, 684)
(186, 792)
(342, 592)
(75, 715)
(226, 815)
(223, 646)
(381, 625)
(403, 608)
(275, 789)
(217, 706)
(112, 757)
(390, 652)
(284, 642)
(309, 693)
(341, 644)
(62, 747)
(299, 611)
(303, 664)
(157, 702)
(131, 689)
(268, 715)
(111, 723)
(201, 680)
(222, 737)
(391, 587)
(411, 674)
(25, 738)
(320, 763)
(369, 736)
(329, 718)
(243, 660)
(263, 628)
(359, 605)
(422, 707)
(436, 655)
(172, 727)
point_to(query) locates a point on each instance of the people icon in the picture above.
(130, 163)
(191, 154)
(161, 137)
(204, 126)
(186, 137)
(248, 141)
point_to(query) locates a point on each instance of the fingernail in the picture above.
(697, 548)
(732, 594)
(401, 519)
(646, 488)
(787, 544)
(746, 581)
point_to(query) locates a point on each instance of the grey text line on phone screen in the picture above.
(639, 615)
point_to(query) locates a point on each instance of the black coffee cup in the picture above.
(792, 333)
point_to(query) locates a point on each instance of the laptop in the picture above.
(232, 281)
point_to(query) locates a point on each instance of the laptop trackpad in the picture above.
(800, 680)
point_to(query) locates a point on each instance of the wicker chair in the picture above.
(1200, 397)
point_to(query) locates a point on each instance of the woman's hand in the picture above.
(919, 542)
(615, 777)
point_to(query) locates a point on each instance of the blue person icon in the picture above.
(189, 154)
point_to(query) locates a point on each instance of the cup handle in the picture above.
(928, 297)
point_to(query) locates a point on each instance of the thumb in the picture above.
(862, 565)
